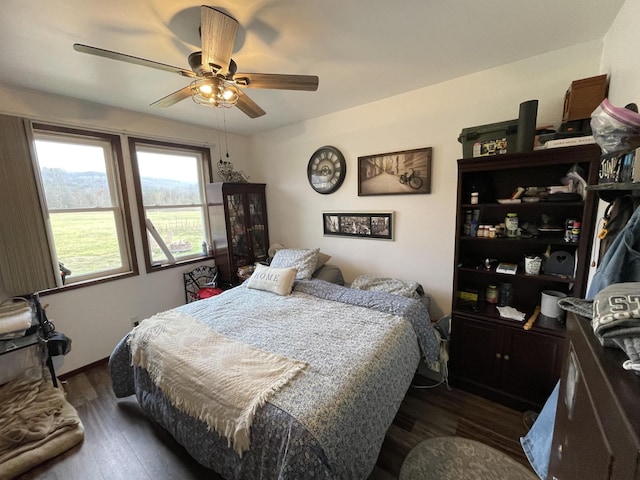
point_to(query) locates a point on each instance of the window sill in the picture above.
(88, 283)
(166, 266)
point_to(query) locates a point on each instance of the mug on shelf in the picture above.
(532, 264)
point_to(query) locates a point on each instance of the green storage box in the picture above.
(491, 139)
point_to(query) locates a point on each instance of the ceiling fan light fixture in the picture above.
(214, 92)
(206, 90)
(214, 78)
(230, 94)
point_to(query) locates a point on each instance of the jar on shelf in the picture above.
(474, 198)
(491, 296)
(511, 224)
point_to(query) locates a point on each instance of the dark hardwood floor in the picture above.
(121, 443)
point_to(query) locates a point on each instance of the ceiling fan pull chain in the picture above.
(219, 139)
(226, 140)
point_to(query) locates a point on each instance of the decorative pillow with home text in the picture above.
(271, 279)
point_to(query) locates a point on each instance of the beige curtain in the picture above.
(25, 257)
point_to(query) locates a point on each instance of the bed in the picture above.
(350, 355)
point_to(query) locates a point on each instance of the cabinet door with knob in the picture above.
(499, 241)
(505, 363)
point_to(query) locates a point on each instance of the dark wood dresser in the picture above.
(597, 426)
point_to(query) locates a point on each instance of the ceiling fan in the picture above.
(215, 81)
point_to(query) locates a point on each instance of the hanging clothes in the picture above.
(621, 263)
(616, 216)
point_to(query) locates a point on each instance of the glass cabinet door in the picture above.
(238, 230)
(257, 221)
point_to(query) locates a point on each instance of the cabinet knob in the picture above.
(506, 357)
(498, 355)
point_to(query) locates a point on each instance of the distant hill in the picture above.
(65, 189)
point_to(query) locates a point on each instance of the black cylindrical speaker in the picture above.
(527, 126)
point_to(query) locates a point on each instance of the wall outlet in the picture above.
(135, 321)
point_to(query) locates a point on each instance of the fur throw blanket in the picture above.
(32, 412)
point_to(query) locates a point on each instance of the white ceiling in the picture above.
(362, 50)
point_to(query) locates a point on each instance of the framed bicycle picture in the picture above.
(395, 173)
(359, 224)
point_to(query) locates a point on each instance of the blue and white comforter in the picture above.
(362, 348)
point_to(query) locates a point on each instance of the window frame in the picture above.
(118, 188)
(207, 177)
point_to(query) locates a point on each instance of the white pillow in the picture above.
(305, 260)
(270, 279)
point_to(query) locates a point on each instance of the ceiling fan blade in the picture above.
(218, 35)
(173, 98)
(248, 106)
(277, 81)
(123, 57)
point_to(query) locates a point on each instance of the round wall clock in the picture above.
(326, 169)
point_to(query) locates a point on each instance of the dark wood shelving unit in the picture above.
(492, 356)
(616, 186)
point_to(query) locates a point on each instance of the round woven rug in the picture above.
(457, 458)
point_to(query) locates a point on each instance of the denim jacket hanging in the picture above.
(621, 263)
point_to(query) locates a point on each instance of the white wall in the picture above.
(619, 57)
(96, 317)
(423, 249)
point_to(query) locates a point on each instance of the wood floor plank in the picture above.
(162, 457)
(108, 445)
(80, 390)
(444, 411)
(121, 442)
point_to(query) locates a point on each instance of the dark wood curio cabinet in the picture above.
(490, 355)
(239, 227)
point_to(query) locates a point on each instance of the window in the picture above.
(170, 187)
(80, 174)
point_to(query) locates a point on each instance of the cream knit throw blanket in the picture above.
(220, 381)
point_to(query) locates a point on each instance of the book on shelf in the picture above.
(569, 142)
(508, 268)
